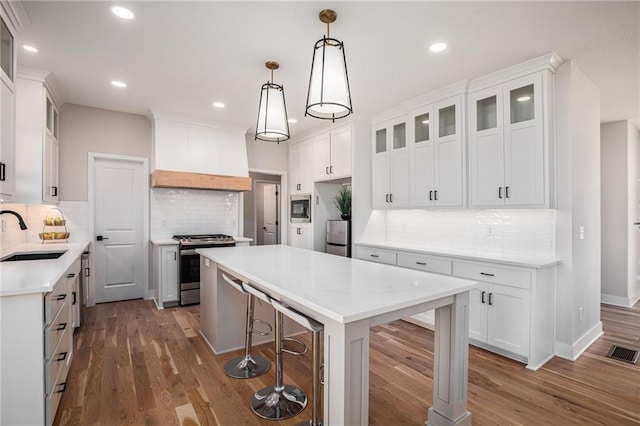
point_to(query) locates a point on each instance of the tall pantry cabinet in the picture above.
(7, 105)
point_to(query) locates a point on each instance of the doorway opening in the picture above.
(263, 207)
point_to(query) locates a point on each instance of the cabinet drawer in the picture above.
(54, 300)
(493, 274)
(424, 263)
(57, 362)
(54, 332)
(53, 400)
(377, 255)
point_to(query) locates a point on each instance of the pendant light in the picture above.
(272, 123)
(329, 97)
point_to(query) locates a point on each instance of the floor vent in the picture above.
(623, 354)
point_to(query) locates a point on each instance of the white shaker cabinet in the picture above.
(301, 235)
(301, 167)
(507, 144)
(436, 154)
(7, 108)
(165, 274)
(390, 165)
(332, 153)
(37, 137)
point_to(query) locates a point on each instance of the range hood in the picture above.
(198, 155)
(174, 179)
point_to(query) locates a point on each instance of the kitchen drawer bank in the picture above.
(37, 334)
(512, 313)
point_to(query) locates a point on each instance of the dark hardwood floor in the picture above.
(136, 365)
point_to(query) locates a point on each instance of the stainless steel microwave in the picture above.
(300, 208)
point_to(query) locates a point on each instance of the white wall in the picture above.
(633, 206)
(84, 129)
(267, 155)
(578, 205)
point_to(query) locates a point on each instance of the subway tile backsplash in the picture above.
(520, 232)
(192, 211)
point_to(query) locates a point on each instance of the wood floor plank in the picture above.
(137, 365)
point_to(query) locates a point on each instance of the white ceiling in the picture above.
(179, 57)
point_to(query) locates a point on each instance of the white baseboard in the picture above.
(625, 302)
(573, 352)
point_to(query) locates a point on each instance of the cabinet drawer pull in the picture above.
(430, 195)
(54, 191)
(330, 170)
(3, 171)
(64, 387)
(482, 297)
(499, 192)
(487, 274)
(326, 170)
(71, 275)
(421, 263)
(61, 297)
(435, 195)
(506, 191)
(391, 198)
(490, 299)
(387, 197)
(61, 356)
(374, 255)
(87, 272)
(61, 326)
(74, 298)
(299, 231)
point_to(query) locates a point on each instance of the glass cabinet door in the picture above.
(486, 113)
(399, 136)
(6, 49)
(381, 141)
(447, 121)
(421, 128)
(522, 104)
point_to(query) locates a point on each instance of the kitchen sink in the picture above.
(33, 256)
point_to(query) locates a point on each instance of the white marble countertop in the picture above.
(339, 288)
(506, 259)
(165, 242)
(37, 276)
(242, 239)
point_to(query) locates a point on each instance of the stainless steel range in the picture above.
(189, 265)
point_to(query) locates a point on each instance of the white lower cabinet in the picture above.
(165, 274)
(36, 351)
(301, 236)
(511, 312)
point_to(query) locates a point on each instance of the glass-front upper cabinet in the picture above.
(399, 136)
(447, 121)
(487, 113)
(6, 49)
(421, 127)
(522, 102)
(381, 141)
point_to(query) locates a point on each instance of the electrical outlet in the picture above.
(580, 314)
(582, 232)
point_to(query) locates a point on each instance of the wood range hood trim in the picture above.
(174, 179)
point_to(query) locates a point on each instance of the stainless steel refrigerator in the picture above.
(339, 237)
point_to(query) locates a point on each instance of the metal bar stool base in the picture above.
(278, 405)
(242, 367)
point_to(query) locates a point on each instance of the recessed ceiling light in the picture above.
(122, 12)
(425, 121)
(120, 84)
(292, 120)
(218, 104)
(438, 47)
(523, 98)
(30, 48)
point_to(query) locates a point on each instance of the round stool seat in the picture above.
(273, 404)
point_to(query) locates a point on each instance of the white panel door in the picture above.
(478, 313)
(448, 172)
(270, 215)
(422, 183)
(341, 153)
(509, 319)
(523, 142)
(118, 221)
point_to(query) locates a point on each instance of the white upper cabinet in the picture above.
(186, 147)
(332, 153)
(436, 154)
(301, 167)
(7, 108)
(390, 164)
(507, 145)
(37, 132)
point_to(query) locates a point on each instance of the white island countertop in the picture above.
(339, 288)
(37, 276)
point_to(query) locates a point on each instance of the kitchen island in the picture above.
(348, 296)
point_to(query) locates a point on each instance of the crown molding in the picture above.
(458, 88)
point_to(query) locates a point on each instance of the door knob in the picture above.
(264, 228)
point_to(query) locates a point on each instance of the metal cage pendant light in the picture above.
(329, 97)
(272, 125)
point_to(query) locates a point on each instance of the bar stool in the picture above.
(247, 366)
(316, 328)
(280, 401)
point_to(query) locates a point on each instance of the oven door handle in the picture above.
(186, 252)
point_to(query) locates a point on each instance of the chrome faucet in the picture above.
(23, 225)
